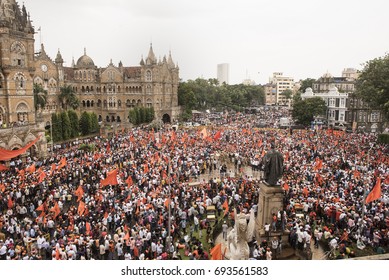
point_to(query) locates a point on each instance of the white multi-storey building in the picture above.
(282, 83)
(336, 104)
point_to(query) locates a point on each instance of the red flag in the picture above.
(79, 193)
(81, 208)
(56, 210)
(111, 178)
(375, 192)
(216, 252)
(217, 136)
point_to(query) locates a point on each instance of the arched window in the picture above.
(119, 103)
(149, 76)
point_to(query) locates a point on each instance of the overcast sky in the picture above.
(301, 38)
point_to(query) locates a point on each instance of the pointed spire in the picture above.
(151, 59)
(170, 60)
(43, 52)
(142, 62)
(59, 59)
(73, 63)
(84, 51)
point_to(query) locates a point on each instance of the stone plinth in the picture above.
(270, 201)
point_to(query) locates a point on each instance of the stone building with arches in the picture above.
(18, 121)
(110, 92)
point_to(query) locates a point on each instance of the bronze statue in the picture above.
(273, 166)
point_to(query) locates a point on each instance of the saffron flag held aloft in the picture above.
(3, 167)
(31, 168)
(81, 208)
(62, 163)
(56, 210)
(8, 154)
(375, 192)
(286, 186)
(111, 178)
(225, 206)
(217, 136)
(79, 193)
(129, 181)
(216, 252)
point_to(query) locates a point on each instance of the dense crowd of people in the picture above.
(135, 196)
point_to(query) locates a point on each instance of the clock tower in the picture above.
(16, 75)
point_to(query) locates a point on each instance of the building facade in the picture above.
(358, 116)
(336, 104)
(280, 83)
(18, 117)
(109, 91)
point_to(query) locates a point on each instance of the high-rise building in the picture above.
(223, 73)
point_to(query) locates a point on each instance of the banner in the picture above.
(9, 154)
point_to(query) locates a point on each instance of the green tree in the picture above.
(85, 123)
(372, 86)
(68, 98)
(74, 124)
(307, 83)
(40, 96)
(66, 126)
(56, 127)
(304, 111)
(94, 123)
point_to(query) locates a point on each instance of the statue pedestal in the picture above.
(270, 201)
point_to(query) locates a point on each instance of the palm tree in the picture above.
(40, 96)
(68, 97)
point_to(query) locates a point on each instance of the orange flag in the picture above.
(3, 167)
(31, 168)
(57, 256)
(319, 164)
(225, 206)
(204, 133)
(56, 210)
(129, 181)
(305, 191)
(111, 178)
(10, 203)
(81, 208)
(375, 192)
(79, 193)
(216, 252)
(41, 177)
(167, 202)
(41, 207)
(87, 226)
(386, 182)
(217, 136)
(62, 163)
(286, 186)
(2, 187)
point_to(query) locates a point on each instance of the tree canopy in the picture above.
(68, 97)
(202, 94)
(372, 86)
(304, 111)
(40, 96)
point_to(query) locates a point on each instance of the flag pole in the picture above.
(365, 193)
